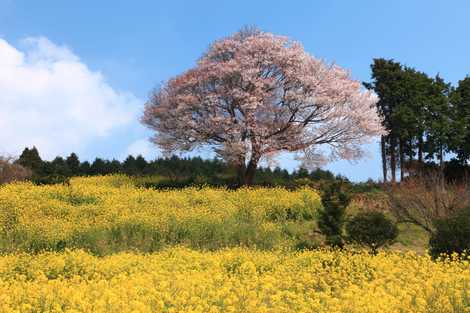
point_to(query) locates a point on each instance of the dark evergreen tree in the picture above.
(301, 173)
(114, 167)
(460, 134)
(60, 167)
(30, 159)
(141, 165)
(129, 166)
(73, 163)
(85, 168)
(387, 83)
(332, 217)
(438, 121)
(319, 174)
(416, 113)
(98, 167)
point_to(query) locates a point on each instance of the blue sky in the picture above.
(135, 45)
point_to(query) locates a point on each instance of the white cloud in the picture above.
(51, 99)
(142, 147)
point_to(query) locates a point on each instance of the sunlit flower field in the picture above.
(232, 280)
(103, 245)
(109, 214)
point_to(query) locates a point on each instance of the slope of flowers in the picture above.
(109, 214)
(232, 280)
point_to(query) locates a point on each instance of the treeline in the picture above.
(427, 119)
(168, 172)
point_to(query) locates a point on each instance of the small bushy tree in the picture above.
(452, 234)
(332, 217)
(10, 171)
(423, 199)
(371, 229)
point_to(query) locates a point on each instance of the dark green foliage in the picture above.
(388, 83)
(30, 159)
(371, 229)
(141, 164)
(61, 167)
(303, 244)
(85, 168)
(331, 218)
(460, 134)
(419, 113)
(456, 172)
(114, 166)
(129, 166)
(173, 172)
(99, 167)
(452, 234)
(438, 121)
(73, 164)
(51, 180)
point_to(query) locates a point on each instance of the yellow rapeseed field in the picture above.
(109, 214)
(233, 280)
(103, 245)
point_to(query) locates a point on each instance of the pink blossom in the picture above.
(254, 95)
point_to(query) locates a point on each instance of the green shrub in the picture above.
(452, 234)
(51, 180)
(371, 229)
(305, 244)
(331, 218)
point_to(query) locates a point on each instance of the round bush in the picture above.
(371, 229)
(452, 234)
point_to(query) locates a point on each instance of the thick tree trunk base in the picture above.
(246, 174)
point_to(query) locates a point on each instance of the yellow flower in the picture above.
(109, 214)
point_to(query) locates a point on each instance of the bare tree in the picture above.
(422, 199)
(9, 171)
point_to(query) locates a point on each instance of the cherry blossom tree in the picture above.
(254, 95)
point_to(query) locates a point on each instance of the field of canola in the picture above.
(102, 245)
(233, 280)
(109, 214)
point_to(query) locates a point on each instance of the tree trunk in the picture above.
(246, 173)
(441, 158)
(250, 172)
(241, 169)
(402, 159)
(384, 158)
(411, 149)
(393, 159)
(420, 149)
(409, 163)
